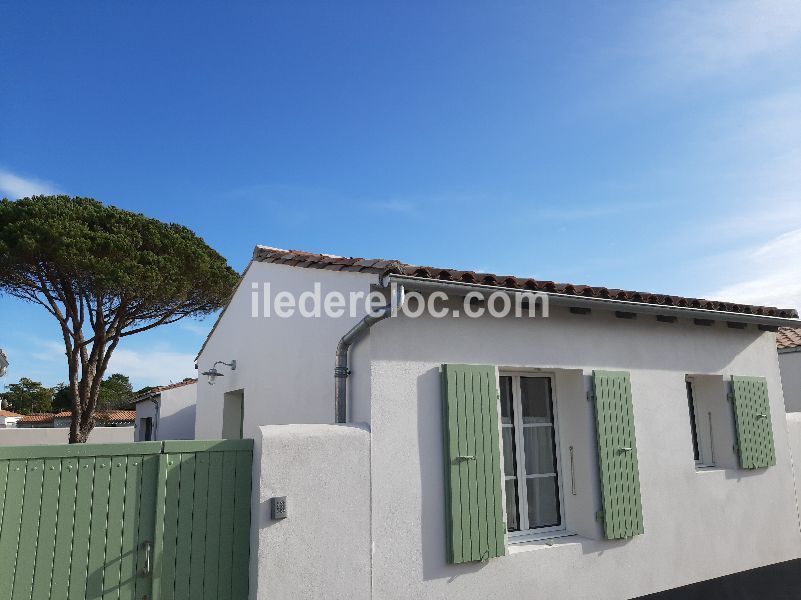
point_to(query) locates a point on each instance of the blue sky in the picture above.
(647, 145)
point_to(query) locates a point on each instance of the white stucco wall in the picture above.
(790, 363)
(699, 524)
(30, 436)
(173, 414)
(321, 551)
(284, 365)
(794, 438)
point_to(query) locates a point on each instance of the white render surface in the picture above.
(794, 435)
(172, 411)
(31, 436)
(322, 549)
(699, 523)
(790, 363)
(285, 366)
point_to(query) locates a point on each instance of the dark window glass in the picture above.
(693, 426)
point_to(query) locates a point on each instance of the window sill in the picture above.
(707, 468)
(543, 540)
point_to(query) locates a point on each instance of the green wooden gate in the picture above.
(142, 521)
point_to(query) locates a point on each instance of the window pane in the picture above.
(506, 400)
(508, 451)
(693, 425)
(536, 399)
(539, 447)
(512, 516)
(543, 502)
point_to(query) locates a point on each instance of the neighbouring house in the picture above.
(629, 443)
(788, 342)
(8, 418)
(106, 418)
(112, 426)
(167, 412)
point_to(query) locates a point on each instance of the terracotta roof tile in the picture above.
(37, 418)
(382, 267)
(788, 338)
(115, 416)
(8, 413)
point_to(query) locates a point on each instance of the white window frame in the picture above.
(703, 431)
(526, 534)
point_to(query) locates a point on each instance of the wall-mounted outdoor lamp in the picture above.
(213, 373)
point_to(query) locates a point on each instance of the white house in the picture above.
(167, 412)
(8, 418)
(627, 443)
(111, 426)
(788, 342)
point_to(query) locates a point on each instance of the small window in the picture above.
(529, 439)
(711, 422)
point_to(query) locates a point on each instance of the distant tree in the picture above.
(62, 400)
(27, 397)
(115, 393)
(104, 274)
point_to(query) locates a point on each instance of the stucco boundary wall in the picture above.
(31, 436)
(794, 438)
(322, 548)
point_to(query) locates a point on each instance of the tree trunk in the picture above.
(79, 435)
(84, 401)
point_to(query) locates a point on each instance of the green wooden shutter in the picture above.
(617, 455)
(474, 513)
(752, 421)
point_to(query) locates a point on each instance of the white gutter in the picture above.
(341, 365)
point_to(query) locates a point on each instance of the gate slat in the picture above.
(227, 525)
(211, 578)
(95, 572)
(28, 534)
(130, 525)
(62, 562)
(82, 527)
(159, 502)
(169, 551)
(186, 501)
(199, 525)
(3, 480)
(241, 551)
(146, 517)
(10, 528)
(114, 531)
(48, 522)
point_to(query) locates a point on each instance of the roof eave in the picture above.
(456, 287)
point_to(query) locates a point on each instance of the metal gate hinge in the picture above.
(599, 515)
